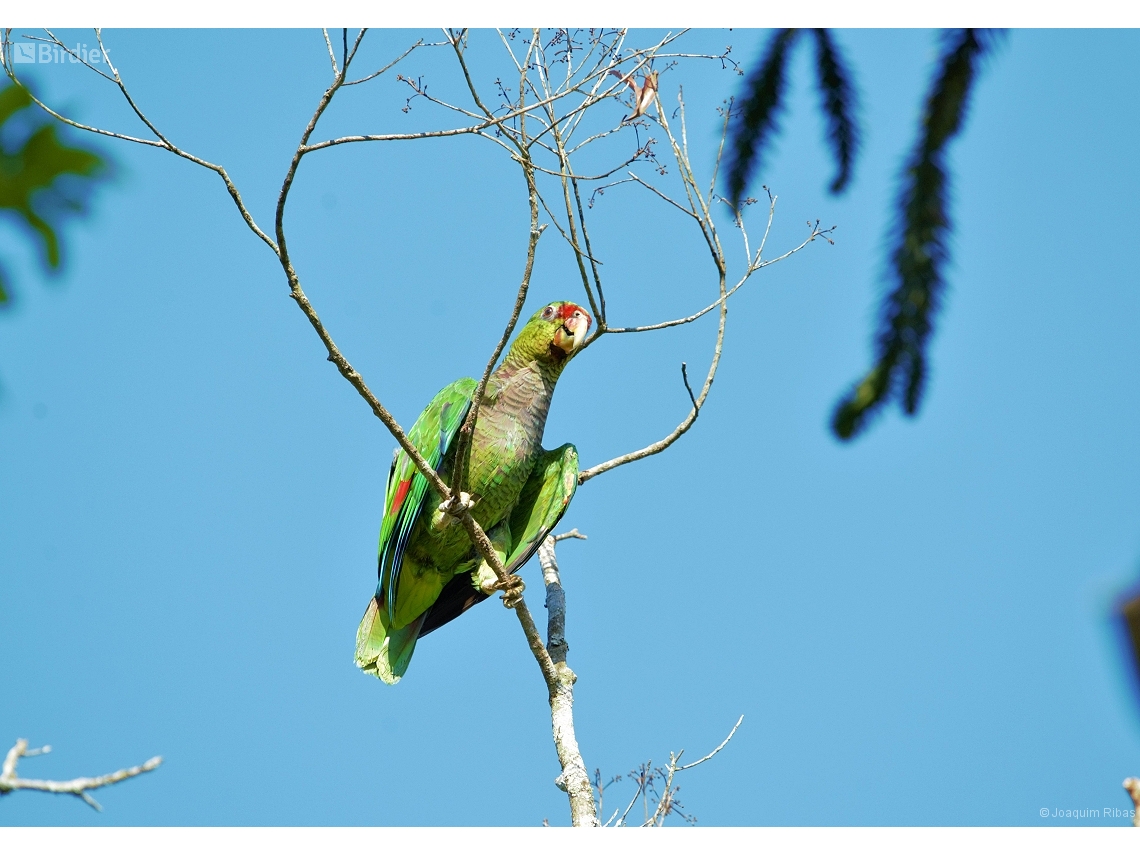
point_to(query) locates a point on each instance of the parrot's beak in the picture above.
(569, 337)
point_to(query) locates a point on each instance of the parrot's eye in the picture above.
(548, 312)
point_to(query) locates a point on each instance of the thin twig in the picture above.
(715, 751)
(701, 213)
(688, 388)
(672, 202)
(758, 265)
(10, 782)
(332, 58)
(161, 142)
(56, 41)
(708, 230)
(424, 135)
(573, 533)
(557, 225)
(390, 65)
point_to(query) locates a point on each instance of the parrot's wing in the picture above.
(543, 501)
(432, 435)
(541, 504)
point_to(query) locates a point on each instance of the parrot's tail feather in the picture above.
(383, 651)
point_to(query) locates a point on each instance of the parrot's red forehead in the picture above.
(568, 310)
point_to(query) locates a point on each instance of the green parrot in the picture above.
(430, 572)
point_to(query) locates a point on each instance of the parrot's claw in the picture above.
(512, 590)
(454, 508)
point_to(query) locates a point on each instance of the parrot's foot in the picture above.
(512, 588)
(512, 591)
(451, 510)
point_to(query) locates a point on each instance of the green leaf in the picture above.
(44, 179)
(13, 98)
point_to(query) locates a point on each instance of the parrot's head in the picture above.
(554, 332)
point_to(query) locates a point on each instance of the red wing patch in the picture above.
(401, 494)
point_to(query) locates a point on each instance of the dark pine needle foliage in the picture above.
(920, 251)
(756, 122)
(760, 106)
(839, 105)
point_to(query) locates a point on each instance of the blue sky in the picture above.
(916, 626)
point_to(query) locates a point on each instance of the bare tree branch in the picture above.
(54, 40)
(700, 212)
(332, 57)
(374, 74)
(423, 135)
(574, 780)
(646, 778)
(667, 801)
(712, 753)
(161, 142)
(758, 264)
(9, 782)
(566, 176)
(687, 212)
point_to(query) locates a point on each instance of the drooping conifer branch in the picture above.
(921, 250)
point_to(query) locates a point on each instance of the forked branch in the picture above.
(657, 804)
(698, 208)
(79, 787)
